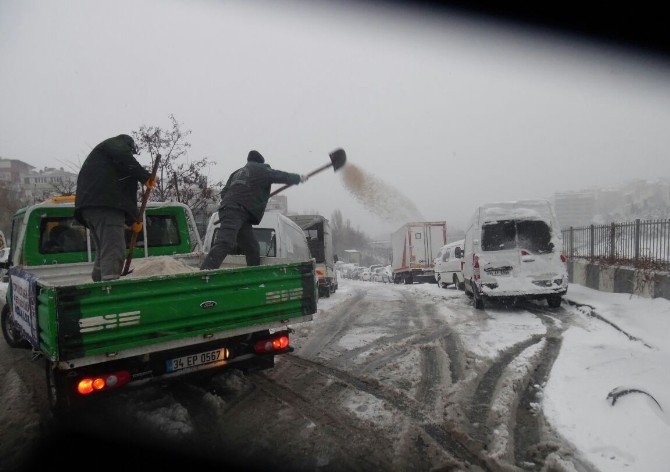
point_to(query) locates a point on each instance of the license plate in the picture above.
(194, 360)
(498, 272)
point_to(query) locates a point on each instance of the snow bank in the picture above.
(595, 358)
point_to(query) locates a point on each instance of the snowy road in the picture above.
(396, 377)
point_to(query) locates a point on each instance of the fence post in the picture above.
(637, 239)
(592, 249)
(612, 240)
(572, 242)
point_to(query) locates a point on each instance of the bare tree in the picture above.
(9, 203)
(180, 179)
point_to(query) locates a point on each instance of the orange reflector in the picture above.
(283, 342)
(85, 386)
(99, 383)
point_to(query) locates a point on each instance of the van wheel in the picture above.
(554, 301)
(477, 298)
(439, 282)
(9, 331)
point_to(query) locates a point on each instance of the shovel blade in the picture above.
(338, 157)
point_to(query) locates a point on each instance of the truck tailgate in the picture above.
(107, 318)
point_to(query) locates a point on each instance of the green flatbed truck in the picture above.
(98, 337)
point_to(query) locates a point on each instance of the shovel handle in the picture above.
(133, 237)
(314, 172)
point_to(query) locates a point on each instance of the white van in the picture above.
(513, 250)
(449, 265)
(277, 235)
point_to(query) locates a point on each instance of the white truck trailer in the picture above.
(415, 245)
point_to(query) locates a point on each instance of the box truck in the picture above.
(415, 245)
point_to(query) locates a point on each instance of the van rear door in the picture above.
(500, 256)
(536, 251)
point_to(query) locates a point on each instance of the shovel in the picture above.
(133, 238)
(337, 159)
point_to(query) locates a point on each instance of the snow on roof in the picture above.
(521, 209)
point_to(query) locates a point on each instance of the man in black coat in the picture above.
(243, 202)
(106, 201)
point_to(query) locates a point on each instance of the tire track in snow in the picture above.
(453, 441)
(480, 404)
(328, 332)
(358, 452)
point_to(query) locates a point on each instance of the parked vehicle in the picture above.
(512, 250)
(414, 246)
(98, 337)
(320, 242)
(365, 274)
(377, 274)
(279, 237)
(449, 265)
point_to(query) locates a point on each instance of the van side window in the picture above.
(447, 254)
(267, 239)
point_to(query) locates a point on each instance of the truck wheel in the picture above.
(9, 332)
(57, 391)
(554, 301)
(408, 279)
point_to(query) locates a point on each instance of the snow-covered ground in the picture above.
(608, 341)
(634, 433)
(616, 341)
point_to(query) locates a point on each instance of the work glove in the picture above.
(151, 183)
(303, 178)
(137, 227)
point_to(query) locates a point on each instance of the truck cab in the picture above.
(320, 242)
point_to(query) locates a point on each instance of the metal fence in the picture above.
(631, 243)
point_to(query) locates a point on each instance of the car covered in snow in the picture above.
(513, 250)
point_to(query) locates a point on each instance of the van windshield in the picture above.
(531, 235)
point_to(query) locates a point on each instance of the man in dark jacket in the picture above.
(243, 202)
(106, 200)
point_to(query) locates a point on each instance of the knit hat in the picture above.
(255, 156)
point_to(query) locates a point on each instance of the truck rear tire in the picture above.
(408, 279)
(57, 390)
(10, 333)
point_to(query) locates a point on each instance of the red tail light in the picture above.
(266, 346)
(475, 260)
(525, 253)
(89, 385)
(563, 258)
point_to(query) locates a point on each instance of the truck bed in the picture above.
(81, 322)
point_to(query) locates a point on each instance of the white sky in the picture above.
(452, 111)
